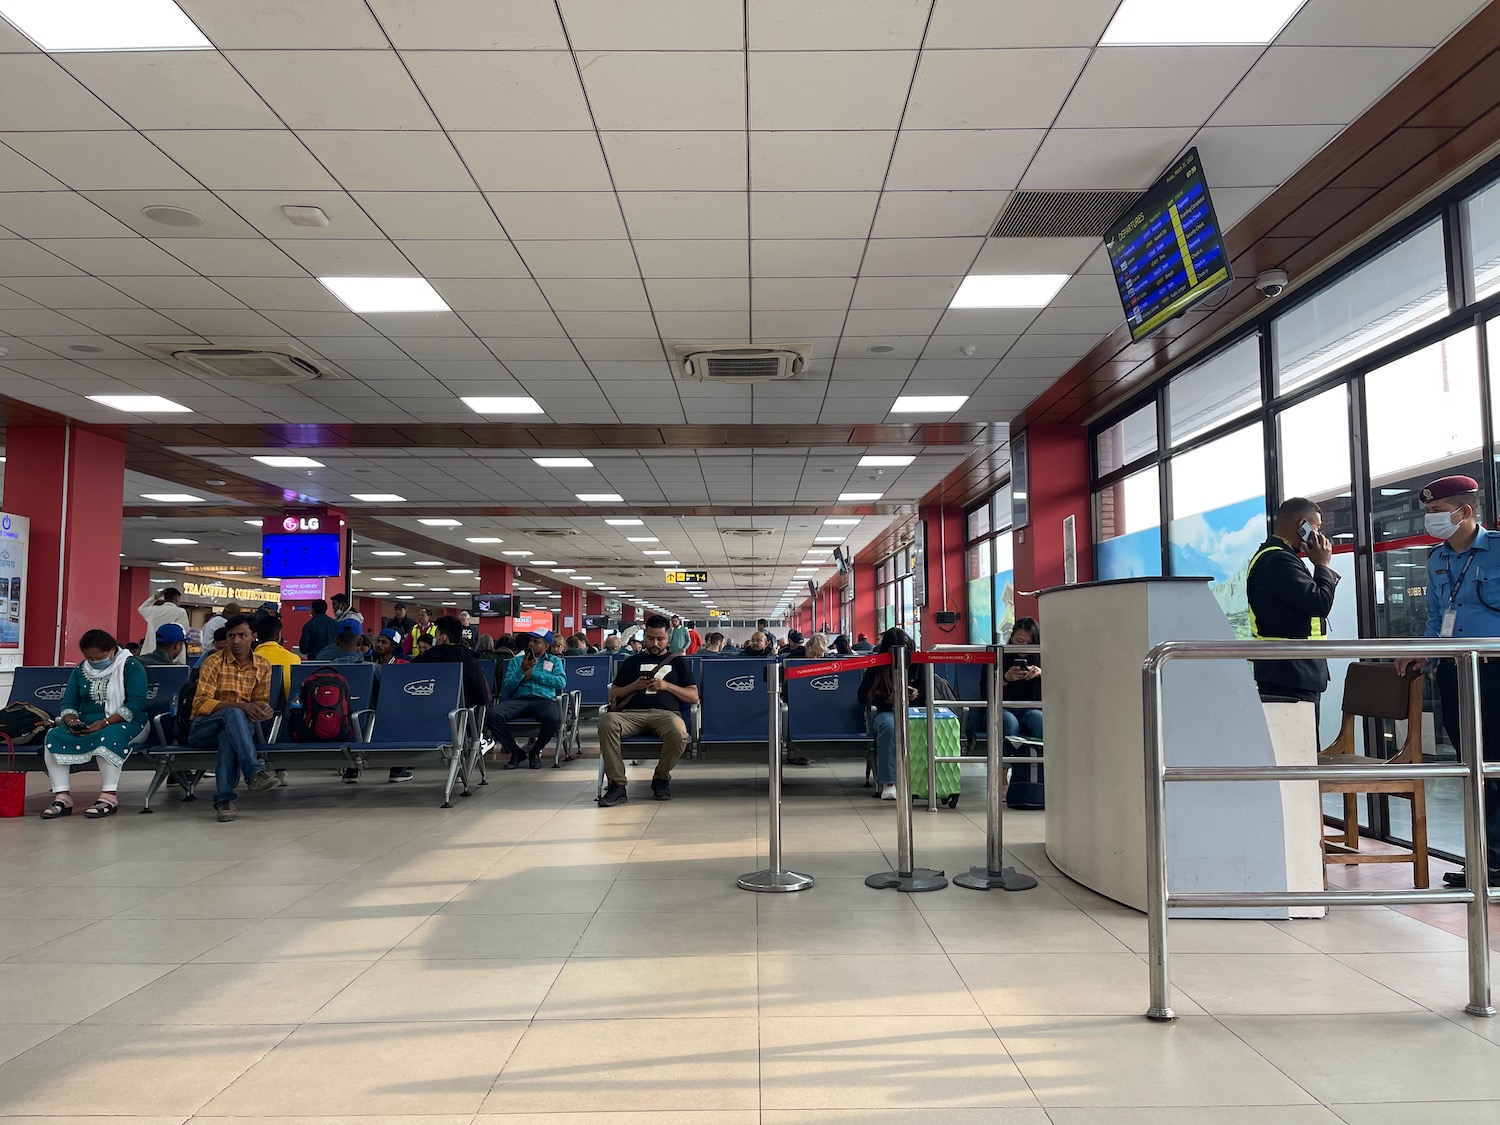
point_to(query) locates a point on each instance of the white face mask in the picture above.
(1440, 525)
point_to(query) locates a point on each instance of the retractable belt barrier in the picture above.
(1476, 895)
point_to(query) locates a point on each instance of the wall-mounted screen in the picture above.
(300, 556)
(493, 605)
(596, 621)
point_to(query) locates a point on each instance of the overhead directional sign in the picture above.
(687, 576)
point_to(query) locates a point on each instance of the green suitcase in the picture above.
(949, 745)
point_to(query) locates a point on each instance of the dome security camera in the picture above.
(1272, 282)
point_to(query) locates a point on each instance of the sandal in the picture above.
(101, 808)
(57, 809)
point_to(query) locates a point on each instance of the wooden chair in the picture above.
(1376, 691)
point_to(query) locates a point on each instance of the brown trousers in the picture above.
(615, 725)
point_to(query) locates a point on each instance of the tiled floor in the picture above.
(526, 957)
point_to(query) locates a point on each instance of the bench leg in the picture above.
(157, 780)
(599, 781)
(453, 765)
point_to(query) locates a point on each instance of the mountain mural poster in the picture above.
(1220, 544)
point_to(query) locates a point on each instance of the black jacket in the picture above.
(317, 635)
(476, 683)
(1284, 600)
(875, 688)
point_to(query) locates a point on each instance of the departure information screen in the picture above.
(300, 556)
(1167, 250)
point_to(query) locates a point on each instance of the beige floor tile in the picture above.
(1349, 1058)
(147, 873)
(17, 1038)
(455, 936)
(85, 903)
(1439, 981)
(661, 862)
(678, 934)
(1204, 935)
(373, 1069)
(846, 931)
(988, 1116)
(1198, 1115)
(137, 941)
(813, 984)
(282, 868)
(67, 996)
(629, 1117)
(334, 1119)
(1130, 1061)
(646, 1064)
(672, 895)
(529, 896)
(959, 899)
(829, 893)
(1042, 984)
(422, 991)
(1280, 984)
(113, 1119)
(199, 901)
(17, 935)
(108, 1072)
(415, 866)
(886, 1062)
(1369, 929)
(1429, 1113)
(857, 864)
(398, 898)
(1023, 931)
(1083, 898)
(550, 864)
(279, 940)
(653, 987)
(283, 993)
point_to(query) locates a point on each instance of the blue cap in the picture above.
(541, 634)
(391, 633)
(349, 625)
(169, 634)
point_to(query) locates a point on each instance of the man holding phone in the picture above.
(647, 697)
(1289, 603)
(529, 688)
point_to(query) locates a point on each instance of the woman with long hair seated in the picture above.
(103, 712)
(877, 690)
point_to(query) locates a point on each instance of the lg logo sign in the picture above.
(303, 523)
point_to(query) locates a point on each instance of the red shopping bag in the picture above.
(12, 783)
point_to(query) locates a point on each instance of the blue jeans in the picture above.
(1025, 724)
(234, 735)
(885, 748)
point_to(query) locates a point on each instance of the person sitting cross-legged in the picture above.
(647, 694)
(528, 690)
(234, 694)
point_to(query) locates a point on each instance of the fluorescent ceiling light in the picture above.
(404, 597)
(624, 523)
(413, 584)
(517, 554)
(818, 551)
(829, 539)
(289, 462)
(390, 554)
(440, 589)
(583, 578)
(880, 460)
(179, 542)
(232, 573)
(105, 25)
(1008, 290)
(656, 552)
(1144, 22)
(440, 523)
(644, 539)
(599, 497)
(667, 562)
(141, 404)
(460, 572)
(173, 498)
(928, 404)
(564, 462)
(543, 562)
(848, 497)
(427, 562)
(385, 294)
(176, 564)
(256, 523)
(382, 580)
(562, 570)
(484, 539)
(379, 498)
(504, 404)
(841, 521)
(249, 555)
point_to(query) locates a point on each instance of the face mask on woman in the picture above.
(1440, 525)
(100, 665)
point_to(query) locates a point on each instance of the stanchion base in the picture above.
(1485, 1010)
(983, 879)
(1161, 1015)
(920, 879)
(774, 881)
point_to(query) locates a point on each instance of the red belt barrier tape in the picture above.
(953, 658)
(847, 664)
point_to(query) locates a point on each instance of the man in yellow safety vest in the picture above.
(1289, 603)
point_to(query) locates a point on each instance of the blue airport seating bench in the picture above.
(824, 715)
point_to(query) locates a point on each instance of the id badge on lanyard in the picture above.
(1450, 615)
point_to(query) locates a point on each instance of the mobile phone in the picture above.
(1305, 531)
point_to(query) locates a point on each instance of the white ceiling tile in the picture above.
(71, 292)
(175, 292)
(18, 173)
(1232, 204)
(220, 325)
(79, 159)
(676, 161)
(703, 327)
(350, 352)
(37, 94)
(1131, 86)
(1026, 23)
(348, 257)
(376, 160)
(285, 23)
(894, 322)
(915, 257)
(444, 349)
(219, 221)
(1315, 85)
(172, 89)
(811, 214)
(699, 214)
(473, 25)
(1104, 158)
(336, 89)
(805, 257)
(1088, 290)
(527, 323)
(665, 90)
(1034, 255)
(937, 214)
(1014, 368)
(501, 89)
(625, 351)
(102, 256)
(595, 294)
(1258, 155)
(836, 25)
(436, 258)
(579, 258)
(1066, 321)
(404, 324)
(707, 294)
(534, 161)
(283, 294)
(38, 322)
(299, 322)
(693, 257)
(828, 89)
(984, 347)
(992, 89)
(493, 295)
(888, 367)
(768, 326)
(1376, 23)
(962, 158)
(246, 159)
(529, 215)
(263, 211)
(234, 257)
(22, 259)
(114, 322)
(56, 214)
(905, 292)
(951, 376)
(424, 215)
(654, 25)
(775, 294)
(532, 348)
(1043, 345)
(609, 325)
(575, 372)
(985, 322)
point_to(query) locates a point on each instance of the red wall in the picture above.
(496, 578)
(1059, 487)
(864, 602)
(135, 588)
(947, 576)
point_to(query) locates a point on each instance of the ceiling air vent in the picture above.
(741, 363)
(551, 532)
(746, 532)
(1061, 214)
(256, 365)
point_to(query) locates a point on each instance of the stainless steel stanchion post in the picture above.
(906, 877)
(929, 686)
(1476, 844)
(1156, 847)
(994, 875)
(775, 877)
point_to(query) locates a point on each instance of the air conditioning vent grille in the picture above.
(1061, 214)
(256, 365)
(740, 363)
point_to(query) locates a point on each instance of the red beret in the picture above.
(1444, 487)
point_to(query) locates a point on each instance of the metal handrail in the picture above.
(1476, 895)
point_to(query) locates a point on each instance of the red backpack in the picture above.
(321, 713)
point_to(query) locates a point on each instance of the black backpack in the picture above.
(322, 712)
(183, 711)
(24, 723)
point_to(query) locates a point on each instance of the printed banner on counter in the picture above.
(14, 533)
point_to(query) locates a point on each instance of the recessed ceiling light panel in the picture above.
(385, 294)
(172, 497)
(440, 523)
(289, 462)
(564, 462)
(141, 404)
(853, 497)
(876, 461)
(378, 498)
(105, 25)
(928, 404)
(504, 404)
(1183, 22)
(1008, 290)
(599, 497)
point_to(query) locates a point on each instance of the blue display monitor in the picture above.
(1167, 250)
(300, 556)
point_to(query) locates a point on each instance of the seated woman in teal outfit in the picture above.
(103, 711)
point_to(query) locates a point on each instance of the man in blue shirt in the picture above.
(528, 690)
(1463, 600)
(345, 647)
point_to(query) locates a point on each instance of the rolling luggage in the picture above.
(949, 745)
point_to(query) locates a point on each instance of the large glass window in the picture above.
(1393, 294)
(1005, 585)
(1482, 233)
(981, 609)
(1127, 527)
(1128, 440)
(1210, 394)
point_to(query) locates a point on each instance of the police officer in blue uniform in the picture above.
(1463, 600)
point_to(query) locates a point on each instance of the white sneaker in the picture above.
(888, 793)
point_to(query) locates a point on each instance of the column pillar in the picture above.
(571, 609)
(594, 603)
(1058, 488)
(947, 576)
(373, 611)
(864, 603)
(135, 588)
(71, 484)
(496, 577)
